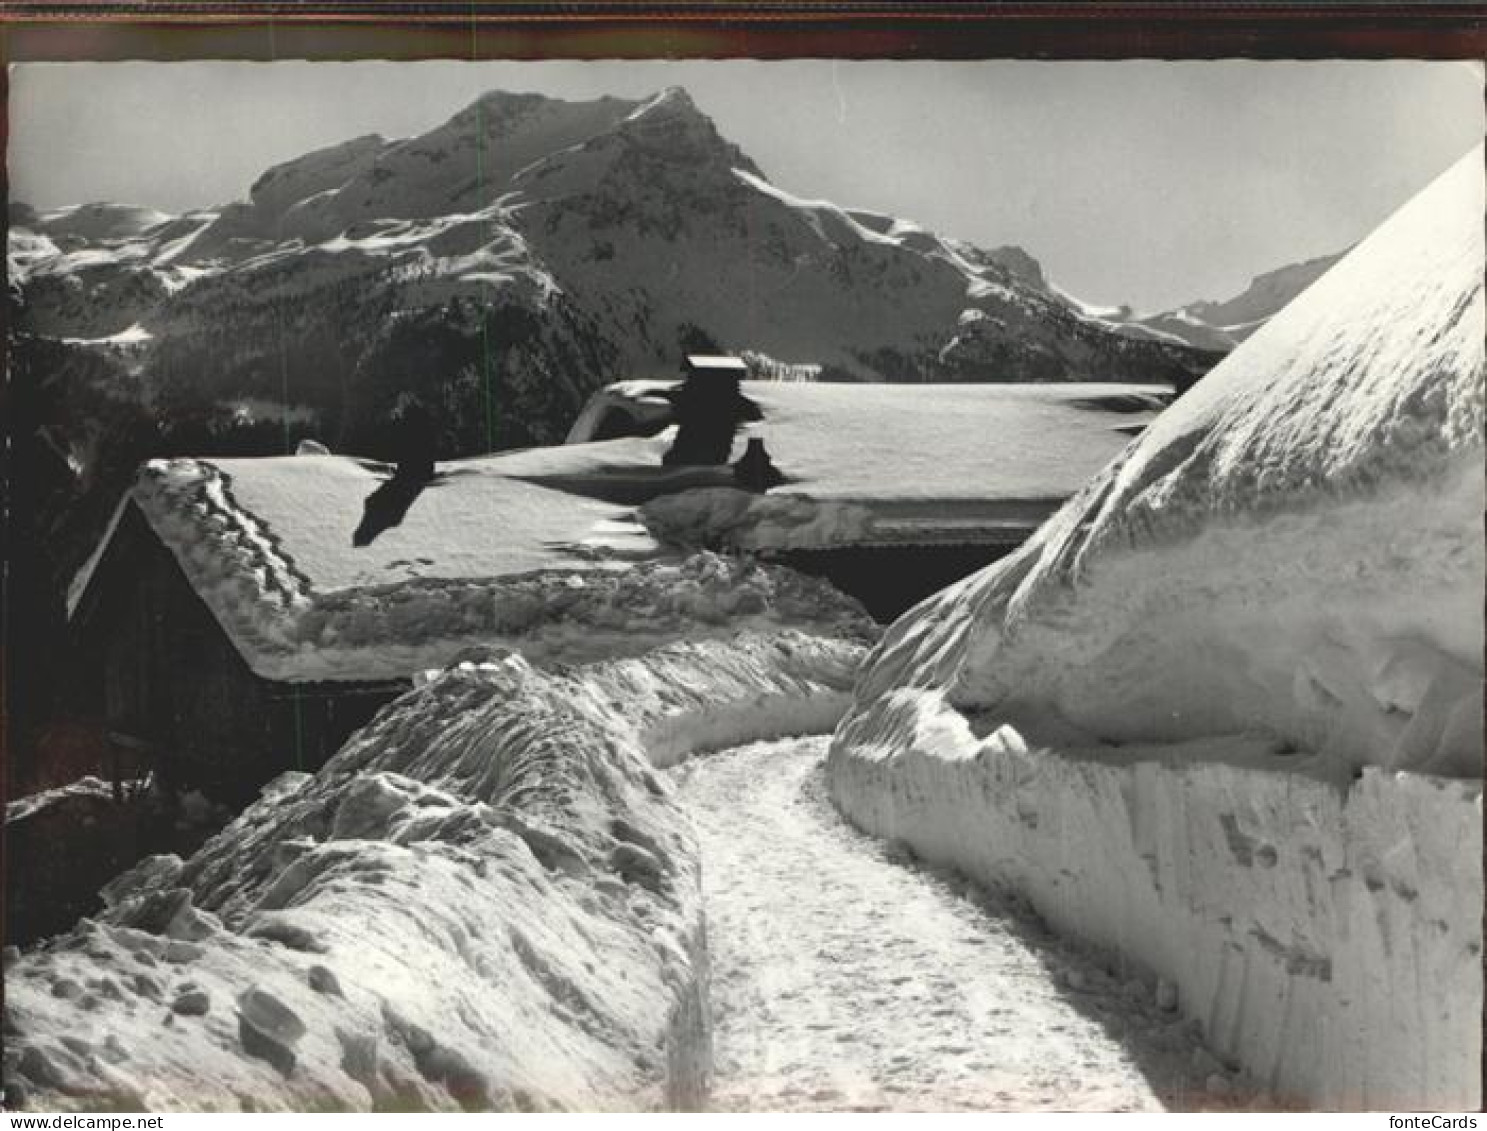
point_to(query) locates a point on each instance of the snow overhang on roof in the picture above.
(716, 363)
(479, 558)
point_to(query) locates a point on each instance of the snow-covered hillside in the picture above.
(487, 899)
(94, 223)
(527, 251)
(1222, 714)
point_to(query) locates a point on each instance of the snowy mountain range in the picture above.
(1222, 325)
(529, 250)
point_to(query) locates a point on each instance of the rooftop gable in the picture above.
(716, 363)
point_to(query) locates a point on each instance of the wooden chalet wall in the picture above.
(889, 580)
(161, 674)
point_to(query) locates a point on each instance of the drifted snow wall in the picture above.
(1327, 936)
(486, 899)
(1296, 545)
(1294, 551)
(769, 687)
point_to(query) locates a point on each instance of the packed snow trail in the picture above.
(842, 979)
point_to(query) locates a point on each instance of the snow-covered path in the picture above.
(844, 979)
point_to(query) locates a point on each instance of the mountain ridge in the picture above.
(519, 255)
(1221, 325)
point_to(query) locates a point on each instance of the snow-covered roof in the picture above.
(896, 463)
(716, 361)
(493, 545)
(476, 558)
(932, 442)
(466, 523)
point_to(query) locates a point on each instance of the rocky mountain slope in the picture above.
(505, 264)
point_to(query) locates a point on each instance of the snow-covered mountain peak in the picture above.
(460, 166)
(671, 99)
(1020, 265)
(471, 160)
(513, 107)
(1218, 326)
(289, 182)
(1264, 296)
(527, 118)
(672, 127)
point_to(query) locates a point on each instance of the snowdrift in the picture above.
(1292, 552)
(1327, 939)
(1295, 546)
(487, 899)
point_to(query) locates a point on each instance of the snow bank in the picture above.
(1327, 937)
(707, 695)
(1295, 546)
(1293, 552)
(487, 899)
(569, 618)
(733, 519)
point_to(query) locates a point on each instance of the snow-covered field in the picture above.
(1222, 714)
(487, 899)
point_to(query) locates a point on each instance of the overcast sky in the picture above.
(1142, 182)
